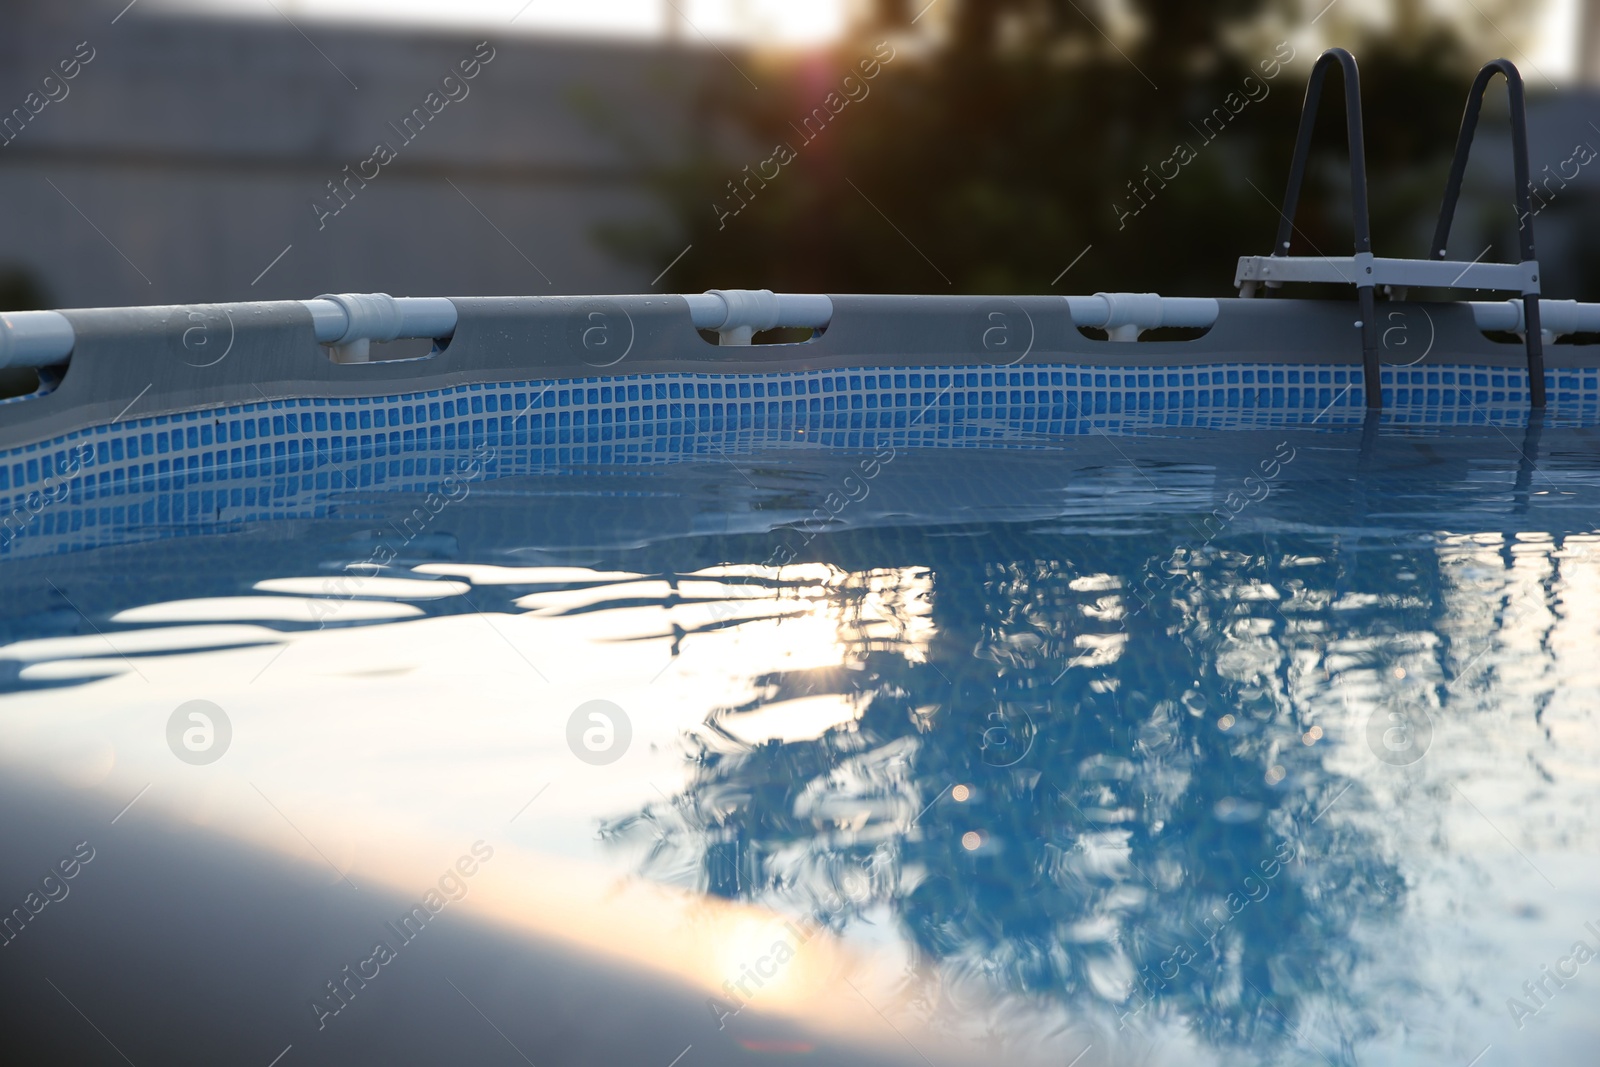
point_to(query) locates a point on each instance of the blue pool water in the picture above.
(1140, 743)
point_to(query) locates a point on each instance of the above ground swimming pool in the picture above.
(974, 680)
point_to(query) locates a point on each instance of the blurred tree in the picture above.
(1006, 137)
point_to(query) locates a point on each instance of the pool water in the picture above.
(1275, 745)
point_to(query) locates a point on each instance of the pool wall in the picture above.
(290, 458)
(146, 362)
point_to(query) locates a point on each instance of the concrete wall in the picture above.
(186, 155)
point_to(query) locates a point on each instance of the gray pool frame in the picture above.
(143, 362)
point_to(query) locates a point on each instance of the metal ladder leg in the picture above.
(1360, 224)
(1533, 338)
(1371, 370)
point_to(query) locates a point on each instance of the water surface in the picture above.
(1270, 746)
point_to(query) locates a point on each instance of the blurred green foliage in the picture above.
(1000, 143)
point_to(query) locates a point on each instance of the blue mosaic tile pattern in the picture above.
(286, 458)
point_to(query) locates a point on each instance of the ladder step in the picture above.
(1368, 269)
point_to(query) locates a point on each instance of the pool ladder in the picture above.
(1366, 271)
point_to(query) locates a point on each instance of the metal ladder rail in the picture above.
(1532, 335)
(1360, 222)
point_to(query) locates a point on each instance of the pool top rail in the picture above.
(347, 324)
